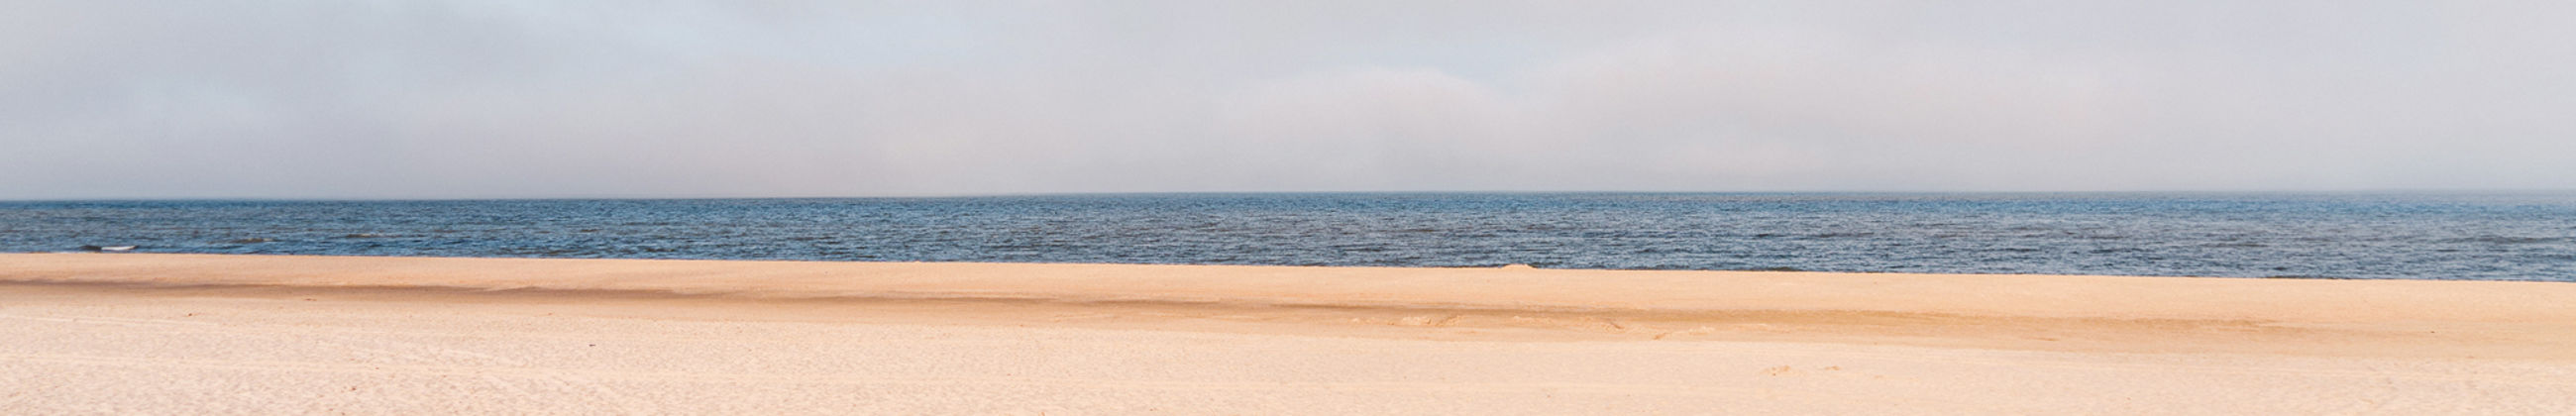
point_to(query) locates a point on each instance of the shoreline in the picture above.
(1472, 267)
(110, 332)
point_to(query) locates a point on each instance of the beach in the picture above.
(239, 334)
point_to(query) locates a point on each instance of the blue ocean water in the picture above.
(2526, 236)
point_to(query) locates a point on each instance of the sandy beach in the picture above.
(200, 334)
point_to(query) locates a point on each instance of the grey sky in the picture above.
(515, 98)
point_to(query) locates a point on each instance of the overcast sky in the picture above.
(518, 98)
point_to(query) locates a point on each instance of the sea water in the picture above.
(2490, 236)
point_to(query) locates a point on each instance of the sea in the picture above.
(2440, 236)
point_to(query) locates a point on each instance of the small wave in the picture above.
(366, 235)
(2497, 239)
(254, 240)
(2304, 276)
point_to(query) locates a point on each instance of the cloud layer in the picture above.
(443, 99)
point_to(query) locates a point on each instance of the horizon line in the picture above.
(2387, 191)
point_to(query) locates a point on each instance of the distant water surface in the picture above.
(2529, 236)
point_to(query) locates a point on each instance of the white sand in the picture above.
(186, 334)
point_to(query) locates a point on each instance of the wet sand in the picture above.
(191, 334)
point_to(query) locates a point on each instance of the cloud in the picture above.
(792, 98)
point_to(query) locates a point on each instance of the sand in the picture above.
(215, 334)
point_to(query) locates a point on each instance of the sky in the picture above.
(785, 98)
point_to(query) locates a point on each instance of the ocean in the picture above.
(2443, 236)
